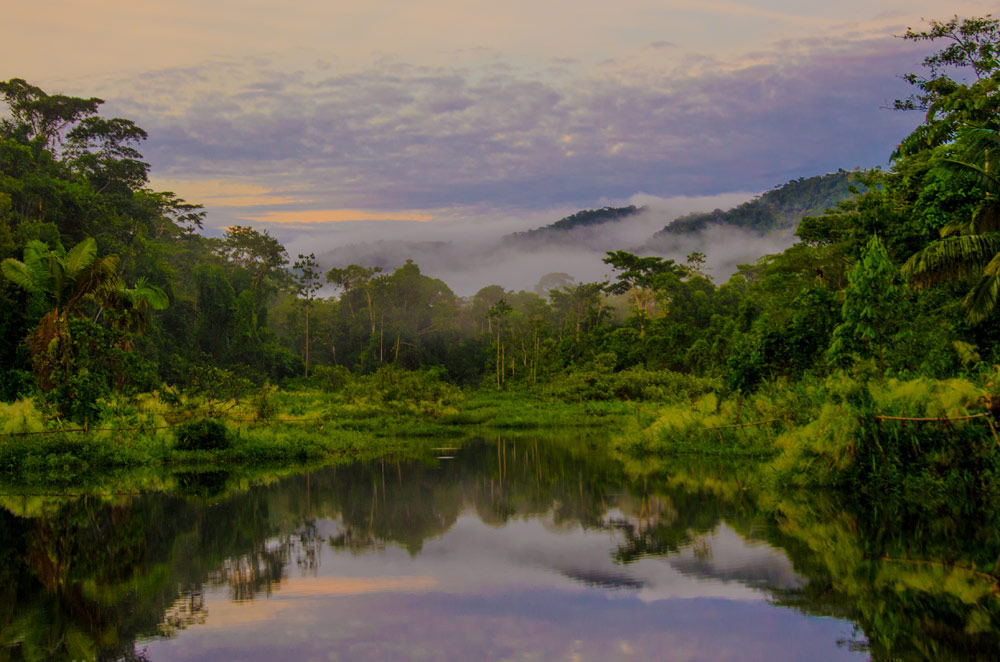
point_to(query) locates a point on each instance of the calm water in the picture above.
(511, 548)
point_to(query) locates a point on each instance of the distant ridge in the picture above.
(587, 218)
(780, 208)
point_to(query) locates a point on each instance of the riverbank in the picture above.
(274, 428)
(924, 440)
(920, 439)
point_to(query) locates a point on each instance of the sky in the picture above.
(332, 122)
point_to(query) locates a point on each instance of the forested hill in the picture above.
(781, 207)
(587, 218)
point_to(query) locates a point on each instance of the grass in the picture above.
(273, 428)
(828, 433)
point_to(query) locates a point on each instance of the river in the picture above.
(530, 547)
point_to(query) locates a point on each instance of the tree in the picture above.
(306, 276)
(497, 313)
(36, 115)
(259, 253)
(950, 98)
(64, 279)
(871, 308)
(969, 247)
(355, 277)
(696, 264)
(580, 304)
(67, 279)
(639, 276)
(264, 259)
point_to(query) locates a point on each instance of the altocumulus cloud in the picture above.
(396, 136)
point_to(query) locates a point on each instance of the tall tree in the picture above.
(871, 309)
(638, 277)
(959, 84)
(498, 313)
(306, 275)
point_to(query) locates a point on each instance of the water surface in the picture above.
(543, 548)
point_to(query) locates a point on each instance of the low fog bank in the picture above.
(468, 255)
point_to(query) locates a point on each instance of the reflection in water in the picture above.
(511, 548)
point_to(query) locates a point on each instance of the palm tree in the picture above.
(133, 304)
(969, 247)
(67, 279)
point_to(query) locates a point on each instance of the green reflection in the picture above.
(89, 577)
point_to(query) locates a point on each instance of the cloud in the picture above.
(468, 255)
(223, 193)
(402, 136)
(336, 216)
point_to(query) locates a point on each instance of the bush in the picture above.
(263, 403)
(600, 381)
(391, 389)
(202, 435)
(330, 378)
(20, 417)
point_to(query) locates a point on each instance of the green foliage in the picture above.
(20, 417)
(950, 98)
(581, 219)
(331, 378)
(202, 435)
(686, 355)
(601, 381)
(390, 389)
(847, 446)
(970, 242)
(872, 309)
(781, 207)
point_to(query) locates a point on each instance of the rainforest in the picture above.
(191, 425)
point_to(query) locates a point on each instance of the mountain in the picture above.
(557, 232)
(780, 208)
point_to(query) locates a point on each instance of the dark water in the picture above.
(515, 548)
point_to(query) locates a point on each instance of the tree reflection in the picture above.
(88, 578)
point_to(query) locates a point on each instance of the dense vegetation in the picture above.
(581, 219)
(884, 307)
(781, 207)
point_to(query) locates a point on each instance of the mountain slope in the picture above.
(558, 231)
(780, 208)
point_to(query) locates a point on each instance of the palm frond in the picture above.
(973, 144)
(145, 293)
(951, 257)
(981, 300)
(985, 219)
(37, 258)
(970, 172)
(80, 257)
(17, 272)
(98, 281)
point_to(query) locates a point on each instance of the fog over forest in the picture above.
(468, 255)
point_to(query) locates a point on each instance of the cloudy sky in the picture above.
(303, 115)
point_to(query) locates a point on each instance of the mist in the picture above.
(469, 254)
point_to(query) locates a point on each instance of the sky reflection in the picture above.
(530, 589)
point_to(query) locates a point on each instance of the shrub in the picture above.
(20, 417)
(392, 389)
(202, 435)
(600, 381)
(330, 378)
(263, 403)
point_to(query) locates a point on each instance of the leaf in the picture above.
(17, 273)
(951, 257)
(80, 257)
(151, 295)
